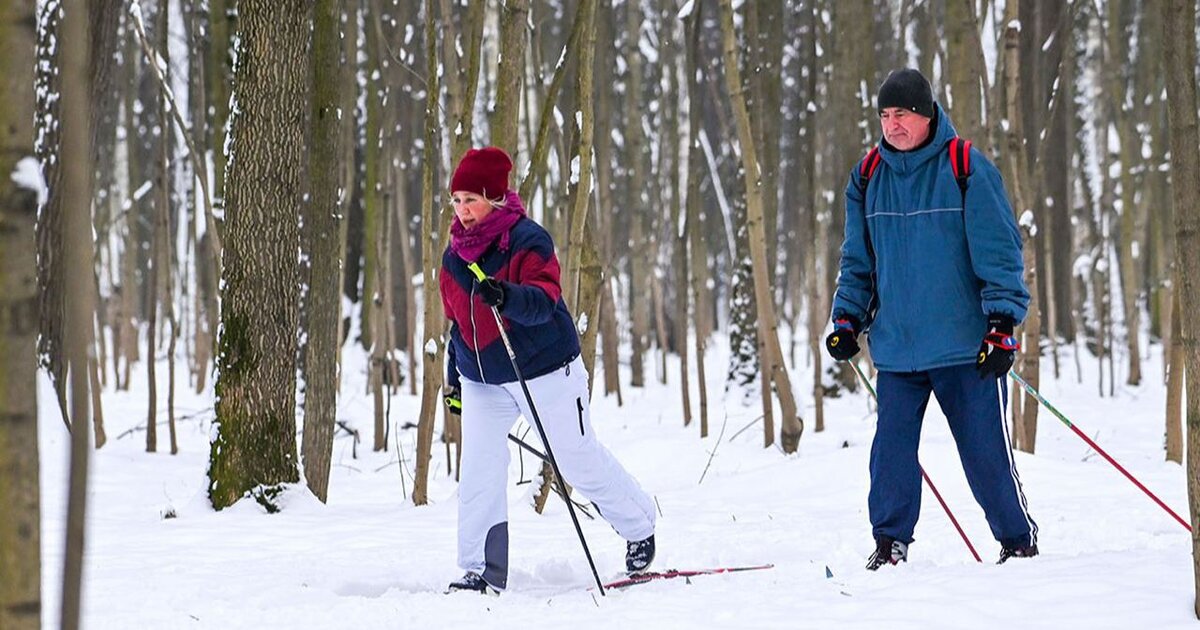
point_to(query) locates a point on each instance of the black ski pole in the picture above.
(525, 445)
(924, 475)
(537, 421)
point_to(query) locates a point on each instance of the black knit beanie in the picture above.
(908, 89)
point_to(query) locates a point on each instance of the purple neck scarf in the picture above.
(471, 244)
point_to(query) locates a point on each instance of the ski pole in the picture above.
(1045, 403)
(558, 489)
(924, 475)
(512, 357)
(525, 445)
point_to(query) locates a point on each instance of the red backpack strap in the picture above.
(867, 167)
(960, 162)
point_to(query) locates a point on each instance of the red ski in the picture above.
(650, 576)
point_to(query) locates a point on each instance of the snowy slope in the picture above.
(368, 559)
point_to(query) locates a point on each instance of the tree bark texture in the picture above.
(435, 219)
(323, 229)
(1179, 53)
(966, 80)
(20, 529)
(79, 312)
(1175, 379)
(255, 443)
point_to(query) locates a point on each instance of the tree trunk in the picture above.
(505, 121)
(372, 293)
(640, 251)
(805, 196)
(410, 270)
(254, 449)
(127, 345)
(165, 267)
(159, 263)
(20, 529)
(79, 312)
(1024, 413)
(583, 296)
(1175, 379)
(101, 438)
(681, 225)
(435, 216)
(592, 284)
(323, 228)
(203, 311)
(772, 357)
(222, 22)
(51, 278)
(965, 81)
(694, 259)
(767, 53)
(1130, 140)
(1179, 52)
(465, 114)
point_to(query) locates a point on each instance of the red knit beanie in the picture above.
(484, 172)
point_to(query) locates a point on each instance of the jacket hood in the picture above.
(907, 161)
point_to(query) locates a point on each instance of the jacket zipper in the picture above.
(475, 331)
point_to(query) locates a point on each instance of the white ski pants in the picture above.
(488, 413)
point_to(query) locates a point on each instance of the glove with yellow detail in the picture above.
(842, 343)
(999, 347)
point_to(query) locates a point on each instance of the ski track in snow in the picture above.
(369, 559)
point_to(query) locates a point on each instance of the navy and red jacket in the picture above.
(535, 317)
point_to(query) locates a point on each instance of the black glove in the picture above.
(453, 400)
(999, 347)
(842, 343)
(492, 291)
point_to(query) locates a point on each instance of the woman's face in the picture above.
(470, 208)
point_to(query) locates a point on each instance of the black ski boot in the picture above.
(472, 581)
(1027, 551)
(639, 555)
(887, 551)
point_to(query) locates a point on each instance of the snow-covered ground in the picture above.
(369, 559)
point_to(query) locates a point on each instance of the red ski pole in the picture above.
(924, 475)
(1045, 403)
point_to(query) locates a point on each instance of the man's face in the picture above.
(904, 129)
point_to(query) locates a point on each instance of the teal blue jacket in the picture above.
(922, 267)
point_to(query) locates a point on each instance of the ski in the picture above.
(650, 576)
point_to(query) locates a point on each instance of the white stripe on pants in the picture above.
(561, 398)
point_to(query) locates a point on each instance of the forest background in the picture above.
(248, 189)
